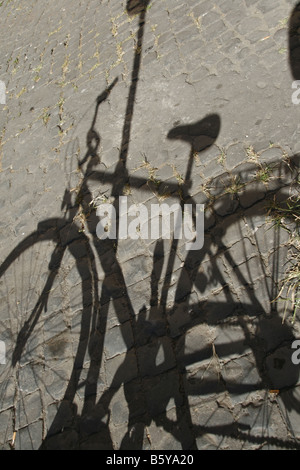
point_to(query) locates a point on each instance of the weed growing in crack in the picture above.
(286, 215)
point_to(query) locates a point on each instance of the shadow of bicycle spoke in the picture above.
(209, 335)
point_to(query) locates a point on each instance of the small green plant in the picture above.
(36, 71)
(252, 154)
(127, 190)
(287, 216)
(222, 157)
(46, 116)
(234, 186)
(263, 174)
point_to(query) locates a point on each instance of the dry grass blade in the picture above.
(287, 217)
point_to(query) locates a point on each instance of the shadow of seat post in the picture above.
(200, 136)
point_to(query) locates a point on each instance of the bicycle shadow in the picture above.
(162, 369)
(160, 331)
(156, 332)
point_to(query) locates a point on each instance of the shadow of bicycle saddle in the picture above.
(199, 135)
